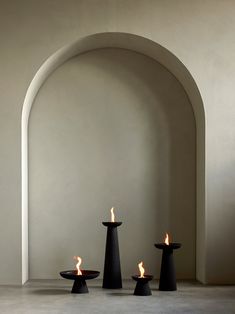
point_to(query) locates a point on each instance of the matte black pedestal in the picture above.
(142, 286)
(112, 269)
(79, 285)
(167, 277)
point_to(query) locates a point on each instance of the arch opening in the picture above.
(136, 44)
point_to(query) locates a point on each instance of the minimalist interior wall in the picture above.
(199, 33)
(110, 128)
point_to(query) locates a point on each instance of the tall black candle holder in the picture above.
(167, 277)
(112, 269)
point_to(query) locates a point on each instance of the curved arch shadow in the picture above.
(168, 60)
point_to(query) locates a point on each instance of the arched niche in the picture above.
(154, 51)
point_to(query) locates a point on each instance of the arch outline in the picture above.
(160, 54)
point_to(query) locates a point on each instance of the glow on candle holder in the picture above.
(79, 272)
(167, 242)
(141, 269)
(112, 215)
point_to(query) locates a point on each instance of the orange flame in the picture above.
(112, 215)
(141, 269)
(167, 239)
(78, 264)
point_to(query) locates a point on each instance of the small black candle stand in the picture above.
(112, 269)
(142, 286)
(79, 285)
(167, 277)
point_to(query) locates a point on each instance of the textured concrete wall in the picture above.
(199, 33)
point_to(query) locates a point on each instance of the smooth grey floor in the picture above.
(53, 296)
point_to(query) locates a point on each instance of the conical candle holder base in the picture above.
(112, 268)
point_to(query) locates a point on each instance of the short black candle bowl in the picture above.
(112, 267)
(79, 285)
(142, 286)
(167, 280)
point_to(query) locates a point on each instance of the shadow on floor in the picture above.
(50, 292)
(120, 294)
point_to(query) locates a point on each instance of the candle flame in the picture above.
(78, 264)
(167, 239)
(141, 269)
(112, 215)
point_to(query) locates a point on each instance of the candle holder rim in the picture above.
(86, 274)
(172, 245)
(145, 278)
(112, 224)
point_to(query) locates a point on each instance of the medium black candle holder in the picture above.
(142, 286)
(167, 277)
(112, 269)
(79, 285)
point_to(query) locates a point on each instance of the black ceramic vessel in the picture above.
(79, 285)
(112, 269)
(142, 286)
(167, 277)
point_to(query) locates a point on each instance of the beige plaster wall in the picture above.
(199, 33)
(106, 130)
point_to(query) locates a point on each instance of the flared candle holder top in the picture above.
(146, 278)
(86, 274)
(171, 246)
(111, 224)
